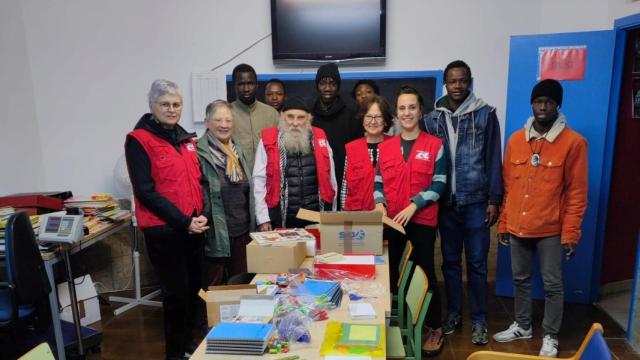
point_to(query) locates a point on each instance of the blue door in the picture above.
(586, 106)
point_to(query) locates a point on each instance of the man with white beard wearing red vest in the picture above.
(293, 169)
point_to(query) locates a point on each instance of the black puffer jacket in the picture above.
(339, 124)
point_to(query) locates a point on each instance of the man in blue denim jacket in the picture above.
(471, 133)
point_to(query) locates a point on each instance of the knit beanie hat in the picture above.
(295, 102)
(550, 88)
(328, 70)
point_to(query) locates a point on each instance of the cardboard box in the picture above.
(88, 305)
(275, 259)
(223, 302)
(354, 267)
(350, 232)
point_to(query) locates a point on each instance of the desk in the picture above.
(311, 350)
(52, 257)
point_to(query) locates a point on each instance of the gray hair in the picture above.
(162, 87)
(214, 106)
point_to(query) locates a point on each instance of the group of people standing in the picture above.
(257, 164)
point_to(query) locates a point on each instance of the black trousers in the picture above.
(423, 238)
(177, 259)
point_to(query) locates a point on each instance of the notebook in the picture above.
(362, 311)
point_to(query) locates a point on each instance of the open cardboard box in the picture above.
(223, 302)
(350, 232)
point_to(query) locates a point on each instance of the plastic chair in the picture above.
(418, 299)
(593, 347)
(404, 268)
(24, 294)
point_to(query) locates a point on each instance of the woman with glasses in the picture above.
(165, 175)
(362, 155)
(228, 192)
(411, 176)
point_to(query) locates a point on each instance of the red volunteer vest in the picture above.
(403, 180)
(323, 165)
(359, 176)
(176, 176)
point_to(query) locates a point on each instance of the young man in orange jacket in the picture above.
(545, 178)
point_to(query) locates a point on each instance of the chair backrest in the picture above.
(417, 292)
(402, 291)
(25, 268)
(418, 300)
(593, 347)
(406, 254)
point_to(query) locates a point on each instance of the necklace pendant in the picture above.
(535, 160)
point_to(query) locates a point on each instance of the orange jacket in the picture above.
(549, 199)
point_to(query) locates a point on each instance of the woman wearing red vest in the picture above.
(165, 175)
(411, 177)
(362, 155)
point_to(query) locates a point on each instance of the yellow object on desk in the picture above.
(354, 339)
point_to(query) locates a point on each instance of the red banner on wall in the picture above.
(562, 63)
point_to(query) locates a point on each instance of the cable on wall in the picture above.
(242, 52)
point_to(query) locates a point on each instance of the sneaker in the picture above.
(433, 344)
(549, 347)
(514, 332)
(479, 334)
(453, 322)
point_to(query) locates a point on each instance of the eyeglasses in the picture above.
(167, 105)
(373, 118)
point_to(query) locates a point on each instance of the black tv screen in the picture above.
(328, 30)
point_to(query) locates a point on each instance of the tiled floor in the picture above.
(137, 334)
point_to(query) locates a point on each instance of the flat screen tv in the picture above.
(328, 30)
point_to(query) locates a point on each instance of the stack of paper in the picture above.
(239, 338)
(317, 288)
(282, 236)
(362, 311)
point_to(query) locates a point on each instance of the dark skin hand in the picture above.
(569, 248)
(492, 215)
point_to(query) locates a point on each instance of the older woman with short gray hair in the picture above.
(166, 179)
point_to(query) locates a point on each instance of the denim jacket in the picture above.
(477, 175)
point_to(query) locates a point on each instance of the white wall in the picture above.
(91, 62)
(20, 152)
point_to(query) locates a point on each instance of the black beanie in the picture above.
(295, 102)
(549, 88)
(328, 70)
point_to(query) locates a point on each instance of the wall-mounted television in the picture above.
(328, 30)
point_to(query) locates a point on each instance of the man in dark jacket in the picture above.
(331, 114)
(471, 134)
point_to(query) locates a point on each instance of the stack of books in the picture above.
(321, 288)
(239, 338)
(102, 206)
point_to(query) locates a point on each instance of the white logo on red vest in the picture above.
(322, 143)
(190, 147)
(423, 155)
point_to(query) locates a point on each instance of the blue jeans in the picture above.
(464, 226)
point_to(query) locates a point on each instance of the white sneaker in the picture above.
(549, 347)
(514, 332)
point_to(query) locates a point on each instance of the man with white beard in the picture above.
(293, 169)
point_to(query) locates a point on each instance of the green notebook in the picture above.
(360, 335)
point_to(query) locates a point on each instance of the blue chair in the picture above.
(593, 347)
(24, 295)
